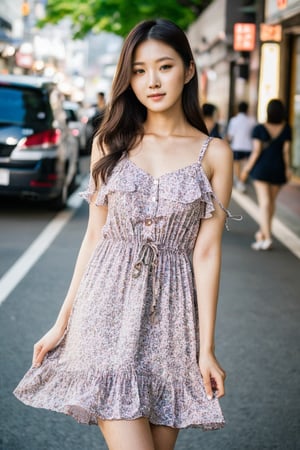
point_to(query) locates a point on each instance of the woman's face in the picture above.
(158, 75)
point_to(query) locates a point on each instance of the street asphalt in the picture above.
(258, 337)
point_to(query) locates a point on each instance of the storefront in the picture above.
(280, 66)
(227, 75)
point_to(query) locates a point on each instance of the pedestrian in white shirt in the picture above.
(239, 136)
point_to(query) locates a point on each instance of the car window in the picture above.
(24, 107)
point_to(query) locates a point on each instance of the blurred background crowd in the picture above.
(245, 51)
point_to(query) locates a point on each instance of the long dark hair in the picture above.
(276, 111)
(122, 127)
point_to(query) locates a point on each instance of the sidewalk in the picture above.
(288, 206)
(286, 223)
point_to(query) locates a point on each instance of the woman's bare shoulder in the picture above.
(218, 155)
(219, 149)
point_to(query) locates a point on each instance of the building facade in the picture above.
(226, 75)
(10, 31)
(285, 66)
(261, 63)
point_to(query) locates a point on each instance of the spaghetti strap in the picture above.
(204, 148)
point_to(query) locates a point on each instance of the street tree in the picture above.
(119, 16)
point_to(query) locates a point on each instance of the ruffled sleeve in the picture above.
(117, 182)
(87, 194)
(197, 187)
(210, 199)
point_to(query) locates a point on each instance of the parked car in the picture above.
(38, 154)
(77, 124)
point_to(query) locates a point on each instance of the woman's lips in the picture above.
(156, 96)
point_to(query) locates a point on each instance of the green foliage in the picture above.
(119, 16)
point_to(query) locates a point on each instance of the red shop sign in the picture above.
(244, 37)
(281, 4)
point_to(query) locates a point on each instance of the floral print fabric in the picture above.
(131, 346)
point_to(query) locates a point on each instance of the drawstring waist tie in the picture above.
(148, 257)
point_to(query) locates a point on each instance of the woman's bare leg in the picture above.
(263, 193)
(127, 434)
(164, 438)
(237, 169)
(274, 191)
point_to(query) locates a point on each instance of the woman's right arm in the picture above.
(97, 219)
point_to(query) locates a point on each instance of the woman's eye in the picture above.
(138, 71)
(166, 67)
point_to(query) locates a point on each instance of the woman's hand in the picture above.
(244, 175)
(213, 375)
(48, 342)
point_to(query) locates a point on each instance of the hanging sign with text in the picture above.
(244, 37)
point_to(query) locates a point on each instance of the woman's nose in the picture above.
(154, 81)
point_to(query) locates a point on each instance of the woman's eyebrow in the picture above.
(163, 58)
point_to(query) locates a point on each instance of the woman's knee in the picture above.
(127, 434)
(265, 201)
(164, 438)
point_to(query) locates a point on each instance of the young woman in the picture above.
(269, 166)
(132, 349)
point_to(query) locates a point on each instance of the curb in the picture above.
(287, 237)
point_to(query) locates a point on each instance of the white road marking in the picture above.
(28, 259)
(280, 231)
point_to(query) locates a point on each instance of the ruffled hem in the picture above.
(123, 395)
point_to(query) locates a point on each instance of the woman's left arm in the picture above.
(207, 264)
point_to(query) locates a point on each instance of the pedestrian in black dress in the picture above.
(269, 167)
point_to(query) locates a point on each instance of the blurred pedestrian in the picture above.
(96, 119)
(210, 116)
(269, 167)
(98, 116)
(124, 352)
(239, 136)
